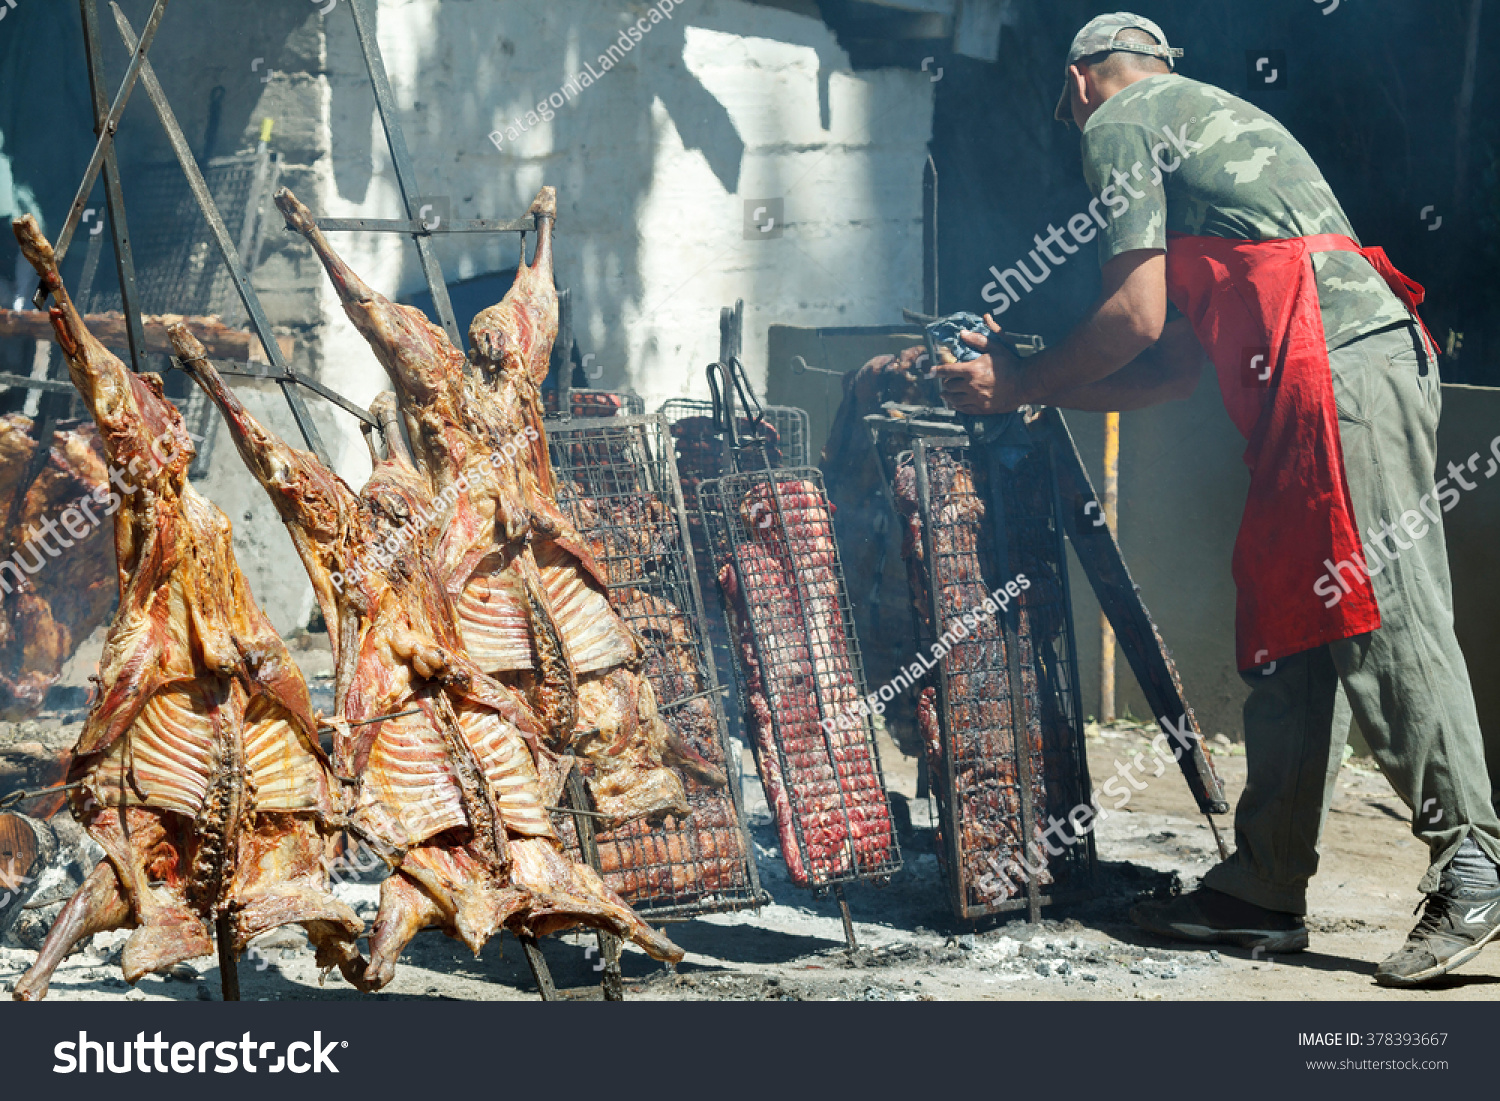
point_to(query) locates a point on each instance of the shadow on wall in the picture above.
(650, 160)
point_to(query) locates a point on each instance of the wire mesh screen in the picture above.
(1007, 676)
(618, 484)
(788, 442)
(596, 403)
(793, 431)
(178, 266)
(800, 675)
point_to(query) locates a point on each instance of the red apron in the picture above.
(1254, 306)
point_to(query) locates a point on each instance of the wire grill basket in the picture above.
(800, 675)
(978, 528)
(618, 484)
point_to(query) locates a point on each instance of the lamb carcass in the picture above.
(532, 603)
(456, 796)
(202, 776)
(57, 583)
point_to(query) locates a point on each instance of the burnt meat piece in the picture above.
(56, 586)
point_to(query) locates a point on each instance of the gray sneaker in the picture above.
(1455, 926)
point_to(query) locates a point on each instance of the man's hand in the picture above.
(989, 384)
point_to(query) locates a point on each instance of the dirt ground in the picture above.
(911, 947)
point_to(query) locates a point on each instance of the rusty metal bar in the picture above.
(401, 162)
(138, 65)
(229, 966)
(415, 227)
(284, 376)
(114, 196)
(1099, 554)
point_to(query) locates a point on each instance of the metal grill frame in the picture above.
(631, 404)
(1079, 871)
(240, 184)
(657, 471)
(793, 428)
(719, 501)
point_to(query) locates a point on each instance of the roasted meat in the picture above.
(455, 796)
(202, 776)
(531, 601)
(705, 853)
(822, 778)
(980, 800)
(57, 582)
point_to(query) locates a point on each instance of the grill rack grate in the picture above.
(984, 789)
(774, 543)
(177, 268)
(793, 430)
(618, 484)
(596, 403)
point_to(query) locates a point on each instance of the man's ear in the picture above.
(1079, 98)
(1080, 81)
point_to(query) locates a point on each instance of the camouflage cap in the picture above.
(1099, 37)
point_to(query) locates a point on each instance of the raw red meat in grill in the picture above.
(985, 781)
(822, 781)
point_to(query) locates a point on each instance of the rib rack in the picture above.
(978, 517)
(800, 675)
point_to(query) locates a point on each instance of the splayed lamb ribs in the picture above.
(531, 601)
(56, 585)
(201, 773)
(454, 797)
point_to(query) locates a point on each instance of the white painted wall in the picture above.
(717, 105)
(725, 102)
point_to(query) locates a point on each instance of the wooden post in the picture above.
(27, 846)
(1111, 518)
(538, 964)
(229, 966)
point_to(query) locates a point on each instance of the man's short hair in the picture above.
(1115, 64)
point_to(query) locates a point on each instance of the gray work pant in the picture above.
(1406, 683)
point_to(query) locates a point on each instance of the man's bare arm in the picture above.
(1127, 319)
(1167, 371)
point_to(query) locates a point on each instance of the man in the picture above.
(1206, 202)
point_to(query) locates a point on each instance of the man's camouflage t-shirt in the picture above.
(1177, 155)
